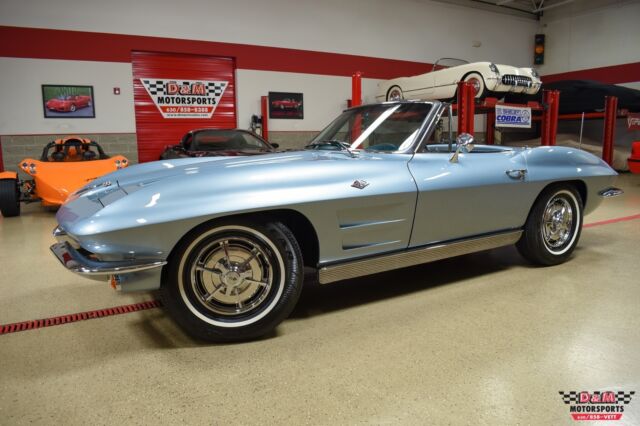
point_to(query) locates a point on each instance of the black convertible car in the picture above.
(218, 142)
(578, 96)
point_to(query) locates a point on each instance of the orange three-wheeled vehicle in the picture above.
(65, 165)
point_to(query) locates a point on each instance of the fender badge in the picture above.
(360, 184)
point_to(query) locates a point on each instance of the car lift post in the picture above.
(491, 127)
(551, 102)
(610, 115)
(466, 107)
(356, 89)
(264, 106)
(356, 100)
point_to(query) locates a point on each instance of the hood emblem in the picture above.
(360, 184)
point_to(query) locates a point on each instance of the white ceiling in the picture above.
(536, 9)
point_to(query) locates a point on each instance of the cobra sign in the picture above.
(512, 116)
(184, 98)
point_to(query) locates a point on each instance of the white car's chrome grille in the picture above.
(516, 80)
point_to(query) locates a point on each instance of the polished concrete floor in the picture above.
(479, 339)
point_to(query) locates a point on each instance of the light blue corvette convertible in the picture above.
(225, 240)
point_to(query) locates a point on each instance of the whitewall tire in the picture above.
(230, 281)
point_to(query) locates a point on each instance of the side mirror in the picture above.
(275, 145)
(464, 143)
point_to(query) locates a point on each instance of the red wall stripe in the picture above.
(615, 74)
(90, 46)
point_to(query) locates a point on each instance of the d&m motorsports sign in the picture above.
(185, 98)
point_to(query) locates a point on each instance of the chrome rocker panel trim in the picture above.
(374, 265)
(610, 192)
(75, 262)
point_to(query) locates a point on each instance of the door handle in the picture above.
(517, 173)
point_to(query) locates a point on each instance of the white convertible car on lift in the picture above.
(488, 79)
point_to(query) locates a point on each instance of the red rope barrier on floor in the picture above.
(609, 221)
(81, 316)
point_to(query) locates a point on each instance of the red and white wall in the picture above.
(278, 45)
(593, 40)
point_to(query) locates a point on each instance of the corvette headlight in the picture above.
(534, 73)
(493, 68)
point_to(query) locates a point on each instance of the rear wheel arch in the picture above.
(578, 185)
(554, 223)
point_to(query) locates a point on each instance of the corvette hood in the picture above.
(148, 173)
(172, 190)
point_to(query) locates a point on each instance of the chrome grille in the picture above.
(516, 80)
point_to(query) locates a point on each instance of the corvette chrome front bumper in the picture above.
(125, 275)
(77, 263)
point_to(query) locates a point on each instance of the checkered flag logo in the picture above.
(154, 87)
(569, 397)
(216, 88)
(622, 397)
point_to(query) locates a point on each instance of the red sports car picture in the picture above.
(286, 104)
(68, 101)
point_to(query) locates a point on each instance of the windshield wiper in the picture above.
(341, 145)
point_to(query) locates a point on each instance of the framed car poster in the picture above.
(286, 105)
(62, 101)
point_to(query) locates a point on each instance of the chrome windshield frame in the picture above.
(425, 127)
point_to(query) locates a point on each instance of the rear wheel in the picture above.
(395, 94)
(233, 281)
(9, 197)
(553, 227)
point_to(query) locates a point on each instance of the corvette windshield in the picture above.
(383, 127)
(223, 140)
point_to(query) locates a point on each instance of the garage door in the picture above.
(176, 93)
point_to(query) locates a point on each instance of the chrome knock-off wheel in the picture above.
(233, 281)
(557, 223)
(232, 276)
(553, 227)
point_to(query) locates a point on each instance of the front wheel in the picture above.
(233, 281)
(553, 227)
(72, 108)
(9, 197)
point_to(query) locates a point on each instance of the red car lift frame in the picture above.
(264, 107)
(466, 108)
